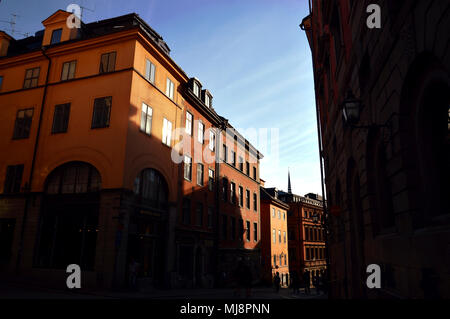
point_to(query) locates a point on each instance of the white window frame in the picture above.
(196, 89)
(201, 132)
(212, 140)
(146, 119)
(167, 132)
(150, 70)
(188, 125)
(169, 88)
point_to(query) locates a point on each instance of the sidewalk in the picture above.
(21, 291)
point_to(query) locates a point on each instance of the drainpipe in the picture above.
(217, 276)
(28, 184)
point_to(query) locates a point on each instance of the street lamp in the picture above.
(351, 108)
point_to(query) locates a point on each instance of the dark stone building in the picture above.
(386, 158)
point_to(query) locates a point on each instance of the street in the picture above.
(21, 291)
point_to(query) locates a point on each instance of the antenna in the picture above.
(84, 8)
(12, 24)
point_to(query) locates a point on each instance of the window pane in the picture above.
(65, 71)
(56, 36)
(73, 65)
(112, 62)
(36, 72)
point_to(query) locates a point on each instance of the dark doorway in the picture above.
(6, 239)
(69, 218)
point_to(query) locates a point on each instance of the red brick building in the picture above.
(382, 100)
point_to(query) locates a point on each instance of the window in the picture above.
(1, 82)
(284, 237)
(233, 228)
(284, 215)
(61, 118)
(169, 88)
(274, 260)
(207, 100)
(186, 211)
(241, 196)
(248, 230)
(31, 78)
(68, 70)
(199, 214)
(71, 233)
(247, 166)
(279, 214)
(233, 158)
(189, 119)
(146, 119)
(247, 198)
(200, 174)
(254, 172)
(210, 179)
(225, 153)
(102, 112)
(108, 62)
(210, 217)
(56, 36)
(201, 132)
(274, 236)
(241, 229)
(255, 231)
(279, 236)
(187, 168)
(291, 234)
(167, 132)
(224, 226)
(23, 123)
(241, 164)
(255, 202)
(233, 193)
(150, 71)
(13, 178)
(73, 178)
(196, 89)
(273, 212)
(152, 188)
(212, 140)
(225, 189)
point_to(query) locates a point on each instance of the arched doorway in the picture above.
(69, 217)
(146, 228)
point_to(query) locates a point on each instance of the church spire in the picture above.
(289, 183)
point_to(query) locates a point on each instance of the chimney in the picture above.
(5, 40)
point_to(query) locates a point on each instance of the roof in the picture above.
(265, 195)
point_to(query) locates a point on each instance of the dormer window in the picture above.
(56, 36)
(196, 89)
(207, 98)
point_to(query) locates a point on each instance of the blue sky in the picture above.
(251, 55)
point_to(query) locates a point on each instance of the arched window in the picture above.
(73, 177)
(151, 186)
(69, 220)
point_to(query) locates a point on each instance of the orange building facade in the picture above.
(306, 233)
(97, 165)
(274, 244)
